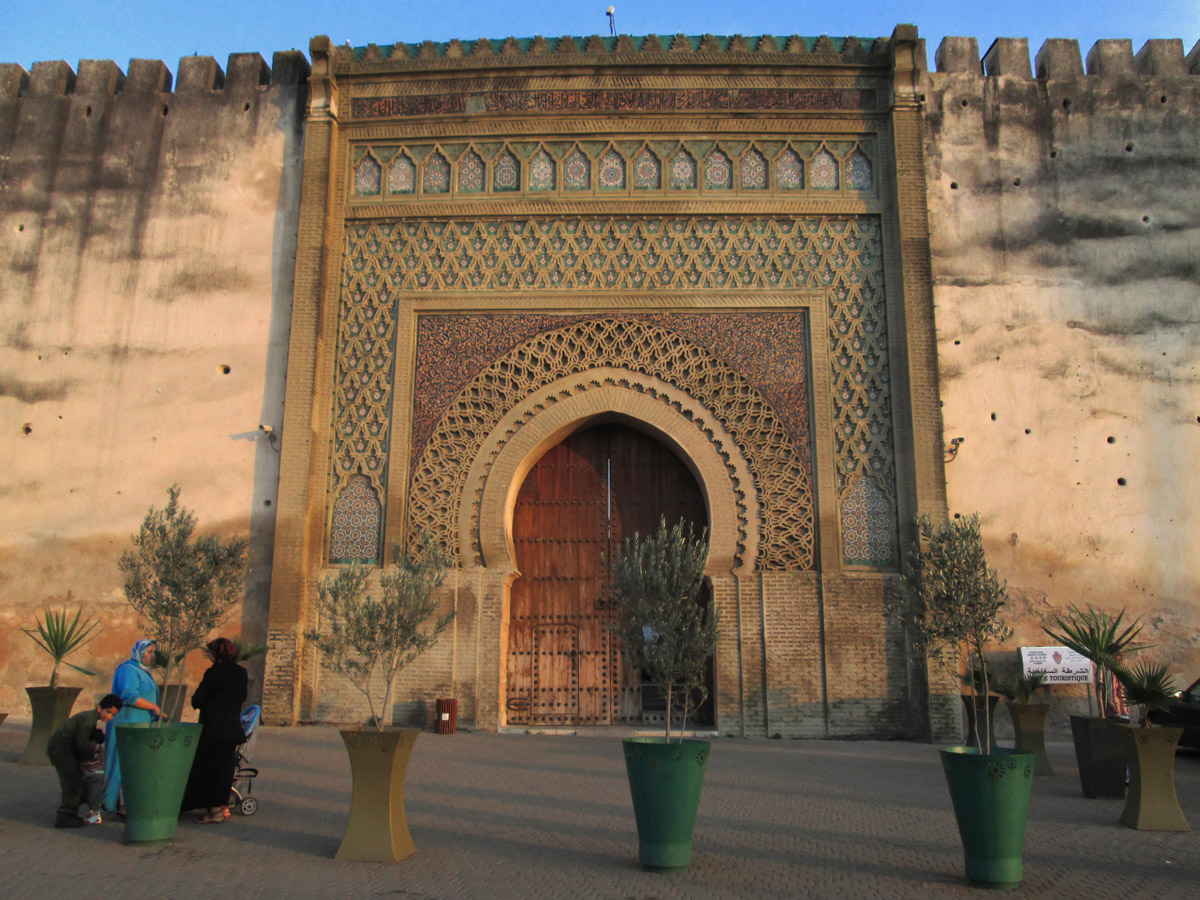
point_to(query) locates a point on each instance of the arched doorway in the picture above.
(575, 507)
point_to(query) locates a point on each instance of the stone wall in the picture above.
(147, 244)
(1063, 206)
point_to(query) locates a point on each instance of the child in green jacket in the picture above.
(73, 749)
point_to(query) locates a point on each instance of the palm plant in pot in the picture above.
(367, 640)
(1104, 640)
(182, 587)
(60, 635)
(1151, 804)
(669, 635)
(952, 604)
(1028, 717)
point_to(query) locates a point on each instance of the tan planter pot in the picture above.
(1029, 726)
(378, 827)
(1151, 803)
(51, 707)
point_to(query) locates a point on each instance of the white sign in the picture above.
(1058, 664)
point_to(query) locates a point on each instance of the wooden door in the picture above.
(576, 506)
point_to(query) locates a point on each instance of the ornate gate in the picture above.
(577, 504)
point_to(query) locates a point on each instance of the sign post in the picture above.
(1058, 664)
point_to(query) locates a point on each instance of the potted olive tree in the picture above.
(952, 605)
(1151, 804)
(666, 633)
(368, 639)
(1028, 717)
(182, 587)
(1104, 640)
(60, 635)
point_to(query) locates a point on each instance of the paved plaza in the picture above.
(534, 815)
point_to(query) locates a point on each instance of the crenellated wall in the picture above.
(1064, 210)
(147, 242)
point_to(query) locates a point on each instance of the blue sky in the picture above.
(94, 29)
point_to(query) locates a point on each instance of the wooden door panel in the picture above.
(564, 665)
(555, 682)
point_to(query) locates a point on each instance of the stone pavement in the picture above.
(549, 816)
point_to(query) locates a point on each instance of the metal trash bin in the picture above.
(447, 716)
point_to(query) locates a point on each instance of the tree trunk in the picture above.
(669, 706)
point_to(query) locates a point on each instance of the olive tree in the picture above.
(182, 585)
(664, 629)
(369, 639)
(952, 602)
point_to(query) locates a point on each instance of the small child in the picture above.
(74, 749)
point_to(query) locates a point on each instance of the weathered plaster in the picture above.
(1064, 239)
(147, 245)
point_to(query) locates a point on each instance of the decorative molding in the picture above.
(839, 257)
(608, 101)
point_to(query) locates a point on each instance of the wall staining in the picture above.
(146, 246)
(1066, 280)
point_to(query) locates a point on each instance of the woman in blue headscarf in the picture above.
(133, 683)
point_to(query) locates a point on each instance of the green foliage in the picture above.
(61, 637)
(366, 635)
(247, 650)
(183, 586)
(952, 601)
(973, 681)
(1148, 686)
(1095, 635)
(663, 628)
(1021, 688)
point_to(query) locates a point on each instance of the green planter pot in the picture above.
(1152, 804)
(378, 826)
(1100, 753)
(991, 803)
(1029, 729)
(155, 762)
(51, 707)
(665, 780)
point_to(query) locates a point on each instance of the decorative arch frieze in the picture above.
(779, 469)
(547, 416)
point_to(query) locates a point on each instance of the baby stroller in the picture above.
(243, 777)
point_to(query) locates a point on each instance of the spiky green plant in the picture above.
(1104, 639)
(248, 649)
(60, 637)
(1020, 688)
(183, 586)
(365, 635)
(664, 630)
(952, 601)
(1148, 686)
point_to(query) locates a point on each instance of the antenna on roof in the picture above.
(612, 20)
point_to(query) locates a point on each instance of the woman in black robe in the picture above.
(219, 698)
